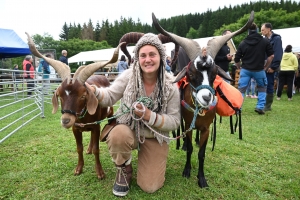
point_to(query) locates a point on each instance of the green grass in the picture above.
(38, 161)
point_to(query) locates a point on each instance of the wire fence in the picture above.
(23, 100)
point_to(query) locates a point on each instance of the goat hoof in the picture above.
(77, 171)
(186, 173)
(202, 182)
(89, 151)
(101, 176)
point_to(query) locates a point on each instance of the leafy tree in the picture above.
(65, 32)
(84, 32)
(75, 46)
(104, 30)
(278, 18)
(97, 32)
(192, 33)
(139, 26)
(75, 31)
(44, 42)
(90, 30)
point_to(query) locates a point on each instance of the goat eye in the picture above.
(83, 97)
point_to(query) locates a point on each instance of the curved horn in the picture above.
(165, 39)
(191, 47)
(88, 70)
(78, 70)
(62, 69)
(214, 45)
(132, 37)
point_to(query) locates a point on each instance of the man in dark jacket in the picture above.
(63, 58)
(275, 41)
(223, 57)
(252, 51)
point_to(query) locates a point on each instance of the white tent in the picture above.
(106, 54)
(290, 36)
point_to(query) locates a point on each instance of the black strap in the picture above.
(68, 111)
(225, 99)
(214, 133)
(238, 113)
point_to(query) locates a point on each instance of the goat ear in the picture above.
(180, 75)
(54, 102)
(223, 74)
(92, 102)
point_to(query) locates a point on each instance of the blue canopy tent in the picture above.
(11, 45)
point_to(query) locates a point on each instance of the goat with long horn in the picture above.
(199, 94)
(79, 105)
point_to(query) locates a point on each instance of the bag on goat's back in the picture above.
(230, 99)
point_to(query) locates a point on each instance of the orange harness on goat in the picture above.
(230, 102)
(230, 98)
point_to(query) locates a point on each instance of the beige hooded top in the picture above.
(128, 87)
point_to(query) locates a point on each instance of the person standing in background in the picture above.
(223, 57)
(250, 56)
(288, 69)
(251, 88)
(46, 72)
(275, 41)
(122, 65)
(28, 73)
(63, 58)
(297, 85)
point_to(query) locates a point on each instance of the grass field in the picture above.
(38, 161)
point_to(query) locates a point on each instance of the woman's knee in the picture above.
(150, 187)
(120, 133)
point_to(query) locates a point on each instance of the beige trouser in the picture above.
(152, 157)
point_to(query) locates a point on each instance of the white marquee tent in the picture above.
(289, 36)
(106, 54)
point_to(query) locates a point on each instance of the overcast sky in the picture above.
(40, 16)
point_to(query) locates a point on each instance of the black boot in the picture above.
(123, 179)
(269, 101)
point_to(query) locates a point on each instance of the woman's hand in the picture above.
(139, 112)
(93, 89)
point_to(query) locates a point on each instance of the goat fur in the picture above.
(77, 98)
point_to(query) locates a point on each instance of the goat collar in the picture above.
(200, 87)
(202, 110)
(79, 115)
(82, 112)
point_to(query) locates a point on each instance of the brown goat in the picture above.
(199, 93)
(79, 105)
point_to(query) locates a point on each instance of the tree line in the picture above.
(196, 25)
(77, 38)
